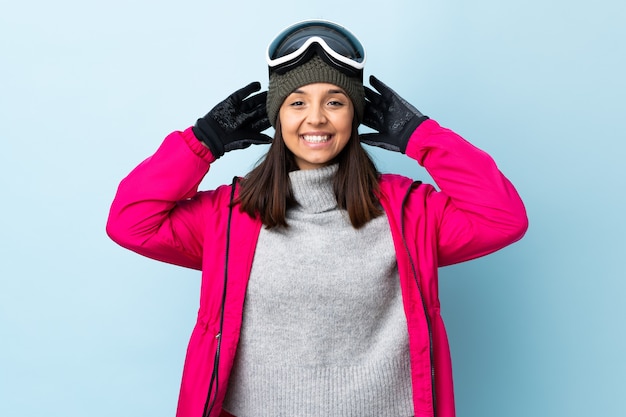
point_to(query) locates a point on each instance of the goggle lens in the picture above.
(338, 46)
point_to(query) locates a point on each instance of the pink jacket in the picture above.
(159, 212)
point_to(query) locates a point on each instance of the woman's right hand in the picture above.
(236, 122)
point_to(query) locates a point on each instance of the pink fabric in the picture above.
(159, 213)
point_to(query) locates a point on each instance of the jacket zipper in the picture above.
(210, 402)
(428, 323)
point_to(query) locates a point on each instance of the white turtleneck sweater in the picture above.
(324, 331)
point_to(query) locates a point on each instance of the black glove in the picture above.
(236, 122)
(393, 117)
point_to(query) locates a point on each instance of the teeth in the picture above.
(316, 139)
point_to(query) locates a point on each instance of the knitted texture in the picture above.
(313, 71)
(324, 331)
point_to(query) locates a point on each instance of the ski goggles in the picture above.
(333, 43)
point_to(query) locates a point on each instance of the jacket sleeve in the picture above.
(477, 210)
(157, 209)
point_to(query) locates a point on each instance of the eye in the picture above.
(297, 103)
(335, 103)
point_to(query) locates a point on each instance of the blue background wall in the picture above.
(88, 89)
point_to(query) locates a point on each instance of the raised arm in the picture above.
(158, 211)
(477, 209)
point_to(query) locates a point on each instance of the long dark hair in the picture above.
(266, 190)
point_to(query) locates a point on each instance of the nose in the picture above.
(316, 115)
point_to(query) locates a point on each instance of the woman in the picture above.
(319, 275)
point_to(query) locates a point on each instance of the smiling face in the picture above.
(316, 123)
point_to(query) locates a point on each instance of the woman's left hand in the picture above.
(392, 116)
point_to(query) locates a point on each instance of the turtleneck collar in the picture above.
(313, 188)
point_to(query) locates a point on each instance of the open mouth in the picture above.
(316, 138)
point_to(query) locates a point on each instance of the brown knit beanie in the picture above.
(313, 71)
